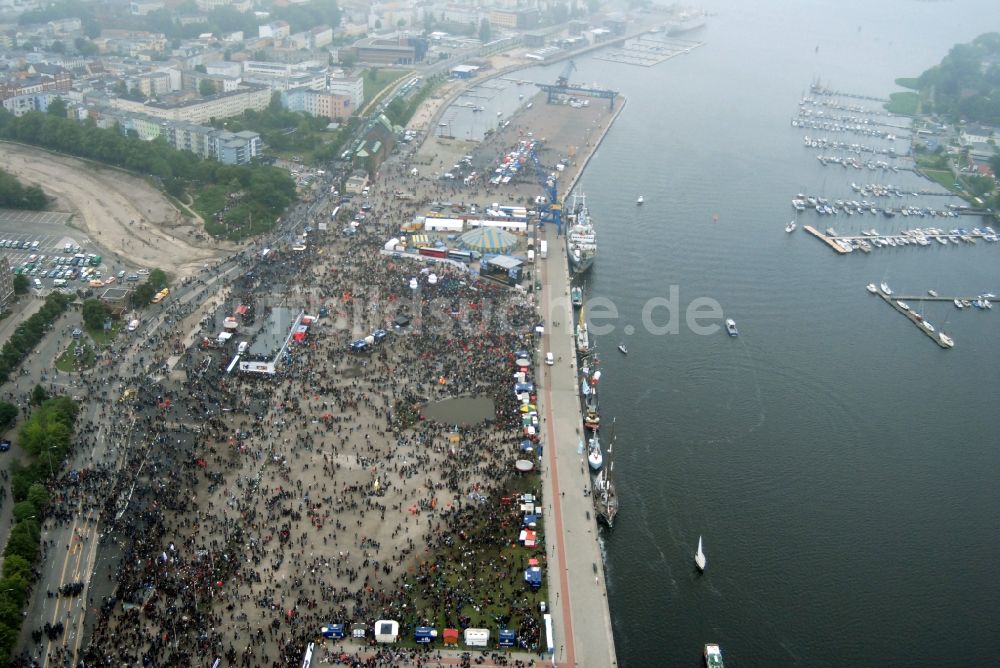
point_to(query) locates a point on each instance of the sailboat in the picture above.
(582, 338)
(605, 495)
(699, 557)
(640, 200)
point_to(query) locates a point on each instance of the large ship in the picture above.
(581, 239)
(684, 21)
(605, 495)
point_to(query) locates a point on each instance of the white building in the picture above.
(349, 87)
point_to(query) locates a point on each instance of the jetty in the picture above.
(915, 318)
(648, 51)
(829, 241)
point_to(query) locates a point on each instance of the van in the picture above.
(549, 359)
(133, 325)
(242, 348)
(38, 284)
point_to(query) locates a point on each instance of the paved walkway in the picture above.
(581, 619)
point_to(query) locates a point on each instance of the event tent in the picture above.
(488, 240)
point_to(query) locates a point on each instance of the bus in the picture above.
(460, 255)
(433, 252)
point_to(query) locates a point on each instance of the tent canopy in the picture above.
(488, 240)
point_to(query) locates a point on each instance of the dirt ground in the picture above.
(120, 212)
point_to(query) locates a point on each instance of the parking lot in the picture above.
(40, 245)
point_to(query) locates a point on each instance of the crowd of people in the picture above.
(245, 512)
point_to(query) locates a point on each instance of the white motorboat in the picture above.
(731, 327)
(958, 304)
(623, 349)
(594, 456)
(885, 288)
(790, 227)
(699, 557)
(932, 293)
(946, 340)
(640, 200)
(871, 288)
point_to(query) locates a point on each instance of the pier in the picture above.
(915, 318)
(829, 241)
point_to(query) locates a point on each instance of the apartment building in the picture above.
(220, 105)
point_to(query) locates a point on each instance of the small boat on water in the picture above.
(958, 304)
(576, 296)
(622, 348)
(871, 288)
(946, 340)
(731, 327)
(790, 227)
(932, 293)
(639, 201)
(594, 456)
(885, 288)
(713, 656)
(699, 557)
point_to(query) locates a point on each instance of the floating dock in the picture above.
(647, 52)
(915, 318)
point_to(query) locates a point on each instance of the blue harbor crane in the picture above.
(551, 208)
(562, 87)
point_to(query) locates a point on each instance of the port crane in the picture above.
(562, 87)
(551, 209)
(563, 79)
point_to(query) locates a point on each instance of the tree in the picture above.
(24, 510)
(38, 496)
(85, 47)
(57, 47)
(206, 87)
(8, 414)
(95, 312)
(16, 566)
(485, 31)
(38, 395)
(57, 107)
(21, 284)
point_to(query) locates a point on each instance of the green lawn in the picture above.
(382, 78)
(903, 104)
(102, 338)
(70, 361)
(943, 177)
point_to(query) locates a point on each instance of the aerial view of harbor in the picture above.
(458, 336)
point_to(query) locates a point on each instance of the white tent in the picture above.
(477, 637)
(386, 631)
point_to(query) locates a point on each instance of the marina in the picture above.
(869, 240)
(648, 51)
(900, 306)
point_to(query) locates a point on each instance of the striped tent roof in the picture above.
(488, 240)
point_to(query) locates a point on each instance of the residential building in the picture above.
(220, 105)
(236, 148)
(352, 88)
(241, 6)
(276, 30)
(144, 7)
(320, 36)
(976, 134)
(514, 19)
(154, 84)
(6, 283)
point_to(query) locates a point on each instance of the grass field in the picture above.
(382, 78)
(942, 177)
(71, 361)
(903, 104)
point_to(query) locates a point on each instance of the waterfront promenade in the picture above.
(577, 591)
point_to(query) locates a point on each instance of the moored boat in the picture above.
(958, 304)
(871, 288)
(581, 238)
(595, 458)
(885, 288)
(946, 340)
(790, 227)
(576, 296)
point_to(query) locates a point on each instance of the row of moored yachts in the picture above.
(825, 207)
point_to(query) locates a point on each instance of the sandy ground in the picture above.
(120, 212)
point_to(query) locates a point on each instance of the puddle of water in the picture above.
(460, 410)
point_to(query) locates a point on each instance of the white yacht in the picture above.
(958, 304)
(699, 557)
(885, 288)
(639, 201)
(790, 227)
(946, 340)
(871, 288)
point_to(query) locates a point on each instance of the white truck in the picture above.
(543, 249)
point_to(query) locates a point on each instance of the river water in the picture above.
(841, 467)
